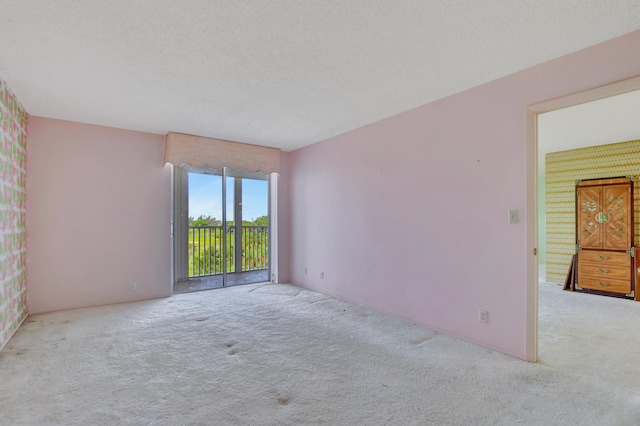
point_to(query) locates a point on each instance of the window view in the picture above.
(205, 225)
(230, 248)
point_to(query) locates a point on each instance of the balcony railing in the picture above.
(206, 250)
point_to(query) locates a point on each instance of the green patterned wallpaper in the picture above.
(562, 171)
(13, 278)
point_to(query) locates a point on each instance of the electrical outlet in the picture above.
(483, 316)
(513, 216)
(306, 272)
(322, 275)
(133, 286)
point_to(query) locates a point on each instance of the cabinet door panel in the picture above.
(616, 202)
(589, 205)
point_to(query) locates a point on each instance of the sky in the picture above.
(205, 197)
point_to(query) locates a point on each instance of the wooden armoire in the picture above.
(604, 236)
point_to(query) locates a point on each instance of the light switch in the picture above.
(513, 216)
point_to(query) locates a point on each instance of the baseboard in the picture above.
(449, 333)
(14, 332)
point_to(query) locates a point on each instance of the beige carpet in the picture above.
(277, 354)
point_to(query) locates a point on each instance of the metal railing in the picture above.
(206, 249)
(255, 248)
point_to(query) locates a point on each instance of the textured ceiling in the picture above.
(278, 73)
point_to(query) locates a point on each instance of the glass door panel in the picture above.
(230, 216)
(250, 228)
(221, 228)
(205, 225)
(255, 224)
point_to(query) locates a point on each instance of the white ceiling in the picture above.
(282, 73)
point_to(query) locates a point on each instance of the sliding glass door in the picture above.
(221, 228)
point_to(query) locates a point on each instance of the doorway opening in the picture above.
(536, 183)
(222, 228)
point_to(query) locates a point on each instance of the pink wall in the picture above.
(98, 206)
(409, 215)
(13, 276)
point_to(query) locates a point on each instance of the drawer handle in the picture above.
(603, 284)
(604, 271)
(603, 257)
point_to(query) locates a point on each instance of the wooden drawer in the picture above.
(604, 271)
(595, 283)
(604, 257)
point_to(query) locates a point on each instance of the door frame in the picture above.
(531, 191)
(180, 213)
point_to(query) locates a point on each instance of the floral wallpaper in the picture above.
(13, 201)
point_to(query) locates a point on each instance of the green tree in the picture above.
(203, 220)
(261, 221)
